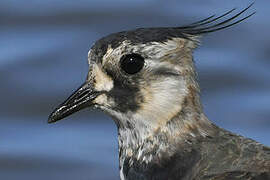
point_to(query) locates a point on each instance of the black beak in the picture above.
(80, 99)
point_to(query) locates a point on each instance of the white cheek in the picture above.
(102, 81)
(104, 86)
(163, 101)
(103, 101)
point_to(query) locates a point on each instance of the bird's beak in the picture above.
(80, 99)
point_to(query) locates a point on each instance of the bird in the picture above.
(146, 80)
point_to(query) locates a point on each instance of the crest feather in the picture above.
(212, 23)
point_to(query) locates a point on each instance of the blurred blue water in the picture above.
(43, 58)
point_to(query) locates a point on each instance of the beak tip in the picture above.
(54, 116)
(51, 119)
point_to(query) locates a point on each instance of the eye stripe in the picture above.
(166, 72)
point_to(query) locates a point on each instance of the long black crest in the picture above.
(162, 34)
(213, 23)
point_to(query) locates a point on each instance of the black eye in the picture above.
(132, 63)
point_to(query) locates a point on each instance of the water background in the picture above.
(43, 58)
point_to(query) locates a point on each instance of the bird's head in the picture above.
(143, 76)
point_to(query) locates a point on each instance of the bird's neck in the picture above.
(141, 144)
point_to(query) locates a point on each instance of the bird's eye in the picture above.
(132, 63)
